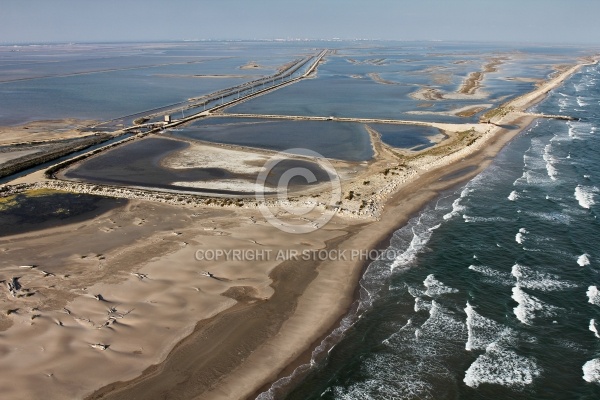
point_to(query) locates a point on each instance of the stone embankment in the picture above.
(48, 152)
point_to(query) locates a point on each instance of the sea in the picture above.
(494, 289)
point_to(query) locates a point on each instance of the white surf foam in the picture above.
(414, 292)
(483, 331)
(441, 324)
(591, 371)
(571, 131)
(501, 366)
(436, 288)
(513, 196)
(471, 219)
(594, 328)
(555, 216)
(520, 236)
(530, 307)
(528, 278)
(581, 101)
(585, 195)
(422, 305)
(550, 161)
(417, 243)
(457, 207)
(593, 295)
(580, 129)
(583, 260)
(563, 103)
(494, 275)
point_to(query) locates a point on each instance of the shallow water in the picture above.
(346, 87)
(340, 140)
(103, 82)
(25, 213)
(108, 81)
(407, 137)
(138, 164)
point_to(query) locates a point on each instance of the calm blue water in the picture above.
(493, 293)
(345, 85)
(109, 81)
(415, 138)
(340, 140)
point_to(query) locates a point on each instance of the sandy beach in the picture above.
(135, 302)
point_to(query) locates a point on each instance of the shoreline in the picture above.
(403, 205)
(481, 159)
(329, 288)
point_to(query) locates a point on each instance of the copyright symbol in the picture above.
(280, 173)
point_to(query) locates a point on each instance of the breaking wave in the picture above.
(502, 367)
(530, 307)
(583, 260)
(593, 295)
(585, 195)
(591, 371)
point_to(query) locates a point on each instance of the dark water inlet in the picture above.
(139, 164)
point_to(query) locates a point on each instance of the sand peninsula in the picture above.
(135, 303)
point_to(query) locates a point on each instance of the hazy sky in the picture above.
(570, 21)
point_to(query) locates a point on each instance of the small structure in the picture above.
(168, 119)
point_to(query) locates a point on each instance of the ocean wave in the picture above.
(373, 389)
(594, 328)
(580, 129)
(550, 160)
(550, 250)
(585, 195)
(593, 295)
(531, 159)
(501, 366)
(441, 324)
(457, 207)
(418, 242)
(494, 275)
(530, 306)
(583, 260)
(471, 219)
(591, 371)
(414, 292)
(436, 288)
(483, 331)
(520, 236)
(530, 279)
(422, 305)
(532, 177)
(581, 101)
(413, 358)
(556, 216)
(563, 103)
(413, 237)
(513, 196)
